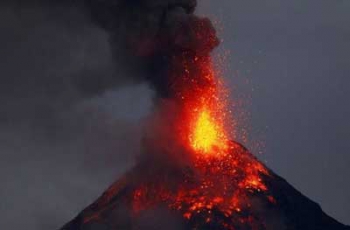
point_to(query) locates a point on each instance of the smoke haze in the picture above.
(66, 132)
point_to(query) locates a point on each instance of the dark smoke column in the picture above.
(152, 38)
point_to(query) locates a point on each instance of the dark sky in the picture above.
(63, 140)
(295, 56)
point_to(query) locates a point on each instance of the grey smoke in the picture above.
(66, 130)
(147, 35)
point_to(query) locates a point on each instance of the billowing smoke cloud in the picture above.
(146, 35)
(66, 129)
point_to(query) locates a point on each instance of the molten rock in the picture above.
(228, 191)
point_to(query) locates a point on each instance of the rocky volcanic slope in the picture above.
(286, 209)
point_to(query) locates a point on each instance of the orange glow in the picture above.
(223, 183)
(207, 134)
(202, 106)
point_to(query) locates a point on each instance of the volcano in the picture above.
(215, 197)
(189, 175)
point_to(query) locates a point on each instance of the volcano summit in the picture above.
(211, 195)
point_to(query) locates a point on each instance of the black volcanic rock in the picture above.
(289, 210)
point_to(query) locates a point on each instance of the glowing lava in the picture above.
(201, 99)
(222, 176)
(207, 134)
(213, 189)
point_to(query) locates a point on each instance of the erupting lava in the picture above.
(207, 134)
(200, 98)
(222, 176)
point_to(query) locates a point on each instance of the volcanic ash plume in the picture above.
(153, 38)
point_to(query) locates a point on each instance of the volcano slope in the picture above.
(234, 192)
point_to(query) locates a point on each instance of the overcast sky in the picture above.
(62, 142)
